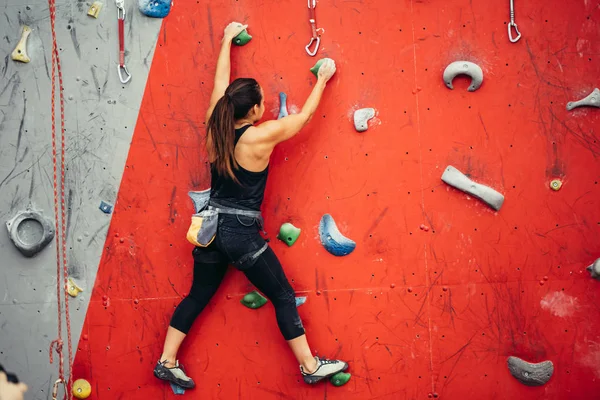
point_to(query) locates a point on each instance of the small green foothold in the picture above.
(253, 300)
(242, 38)
(315, 69)
(340, 379)
(288, 233)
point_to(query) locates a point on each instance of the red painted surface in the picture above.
(416, 312)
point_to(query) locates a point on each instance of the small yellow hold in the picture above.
(82, 389)
(556, 184)
(20, 52)
(72, 288)
(95, 8)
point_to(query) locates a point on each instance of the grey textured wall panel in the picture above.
(100, 117)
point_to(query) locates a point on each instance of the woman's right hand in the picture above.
(326, 70)
(232, 30)
(11, 391)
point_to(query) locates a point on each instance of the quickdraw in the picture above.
(122, 67)
(312, 4)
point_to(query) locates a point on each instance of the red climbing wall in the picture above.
(416, 312)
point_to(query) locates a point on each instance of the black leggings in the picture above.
(239, 240)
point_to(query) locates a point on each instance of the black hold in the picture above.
(105, 207)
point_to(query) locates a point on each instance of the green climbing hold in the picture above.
(315, 69)
(288, 233)
(242, 38)
(253, 300)
(340, 379)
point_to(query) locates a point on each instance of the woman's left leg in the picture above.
(268, 276)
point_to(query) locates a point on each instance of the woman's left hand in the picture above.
(232, 30)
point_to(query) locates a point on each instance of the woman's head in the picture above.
(242, 102)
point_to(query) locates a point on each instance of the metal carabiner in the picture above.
(55, 388)
(512, 24)
(313, 26)
(120, 9)
(123, 68)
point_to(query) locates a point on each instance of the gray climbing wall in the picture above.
(101, 114)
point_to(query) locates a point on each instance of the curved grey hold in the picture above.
(591, 100)
(530, 374)
(594, 269)
(362, 117)
(464, 68)
(30, 231)
(457, 179)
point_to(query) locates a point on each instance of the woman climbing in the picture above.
(239, 152)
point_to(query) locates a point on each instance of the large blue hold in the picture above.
(331, 238)
(155, 8)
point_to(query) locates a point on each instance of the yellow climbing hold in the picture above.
(20, 52)
(82, 389)
(72, 288)
(556, 184)
(94, 10)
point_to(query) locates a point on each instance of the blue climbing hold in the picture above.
(105, 207)
(283, 112)
(155, 8)
(177, 389)
(300, 301)
(331, 238)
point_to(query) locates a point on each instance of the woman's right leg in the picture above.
(210, 267)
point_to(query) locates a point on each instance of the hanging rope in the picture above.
(60, 217)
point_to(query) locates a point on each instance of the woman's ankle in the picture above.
(168, 361)
(309, 365)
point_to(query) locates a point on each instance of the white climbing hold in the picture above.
(464, 68)
(361, 118)
(591, 100)
(460, 181)
(594, 269)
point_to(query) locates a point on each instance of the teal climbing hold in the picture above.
(283, 112)
(340, 379)
(300, 301)
(177, 389)
(315, 69)
(288, 233)
(242, 38)
(253, 300)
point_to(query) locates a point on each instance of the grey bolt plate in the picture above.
(591, 100)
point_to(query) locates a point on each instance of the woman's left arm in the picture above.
(223, 71)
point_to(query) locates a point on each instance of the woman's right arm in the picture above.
(277, 131)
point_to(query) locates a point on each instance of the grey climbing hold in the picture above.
(594, 269)
(331, 238)
(591, 100)
(30, 231)
(530, 374)
(361, 118)
(283, 112)
(457, 179)
(464, 68)
(300, 301)
(105, 207)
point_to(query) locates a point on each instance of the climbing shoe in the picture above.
(175, 374)
(325, 369)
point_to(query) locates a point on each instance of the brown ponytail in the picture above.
(240, 96)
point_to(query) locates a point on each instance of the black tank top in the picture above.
(248, 194)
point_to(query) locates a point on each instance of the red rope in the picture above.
(60, 219)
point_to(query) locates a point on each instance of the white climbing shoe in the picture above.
(175, 374)
(325, 369)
